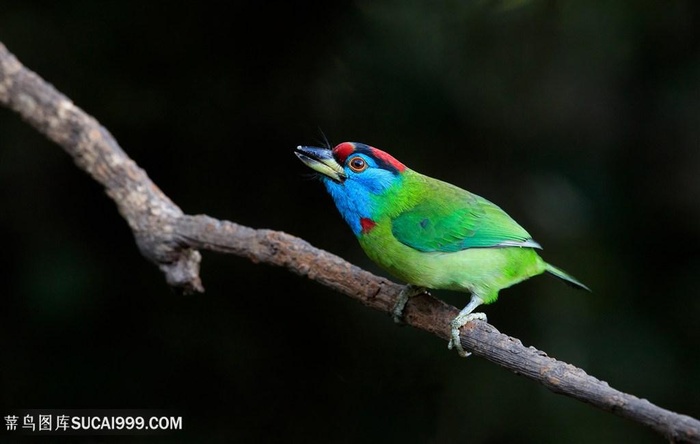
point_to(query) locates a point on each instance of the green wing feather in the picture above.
(449, 219)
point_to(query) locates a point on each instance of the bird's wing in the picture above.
(458, 220)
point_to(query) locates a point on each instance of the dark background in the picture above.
(581, 119)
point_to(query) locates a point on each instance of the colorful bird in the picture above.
(426, 232)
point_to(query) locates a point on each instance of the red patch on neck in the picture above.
(387, 158)
(367, 224)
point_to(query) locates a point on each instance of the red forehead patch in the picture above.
(345, 149)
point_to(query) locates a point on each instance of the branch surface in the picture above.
(172, 240)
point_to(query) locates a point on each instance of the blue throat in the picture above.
(356, 198)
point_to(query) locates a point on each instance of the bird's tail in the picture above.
(566, 277)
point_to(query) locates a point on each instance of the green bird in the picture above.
(426, 232)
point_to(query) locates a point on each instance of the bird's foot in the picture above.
(406, 293)
(458, 323)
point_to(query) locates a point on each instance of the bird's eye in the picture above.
(358, 164)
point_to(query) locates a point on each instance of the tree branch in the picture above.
(171, 239)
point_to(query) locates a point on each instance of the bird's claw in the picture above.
(458, 323)
(407, 293)
(397, 313)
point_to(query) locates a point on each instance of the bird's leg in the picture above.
(462, 318)
(406, 293)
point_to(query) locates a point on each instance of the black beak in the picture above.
(322, 161)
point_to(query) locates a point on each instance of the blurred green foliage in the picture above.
(581, 119)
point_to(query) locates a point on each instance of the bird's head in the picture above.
(356, 176)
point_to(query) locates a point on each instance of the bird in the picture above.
(426, 232)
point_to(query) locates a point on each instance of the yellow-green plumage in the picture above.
(475, 270)
(427, 232)
(427, 257)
